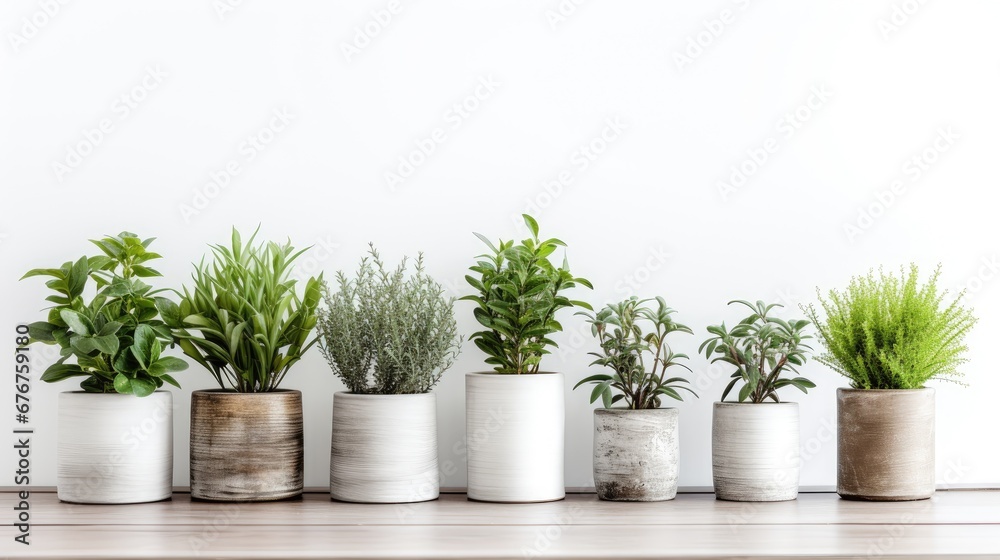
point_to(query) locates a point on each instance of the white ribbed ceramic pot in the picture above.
(115, 449)
(755, 451)
(384, 448)
(515, 436)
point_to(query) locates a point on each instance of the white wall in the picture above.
(647, 210)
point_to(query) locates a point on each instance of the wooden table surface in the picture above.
(953, 523)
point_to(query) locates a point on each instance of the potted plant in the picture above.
(636, 444)
(244, 322)
(755, 443)
(515, 415)
(115, 437)
(388, 336)
(889, 336)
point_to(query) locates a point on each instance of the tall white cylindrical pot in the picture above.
(636, 454)
(515, 436)
(115, 449)
(755, 451)
(384, 448)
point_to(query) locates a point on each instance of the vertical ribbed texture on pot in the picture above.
(246, 447)
(115, 449)
(885, 444)
(755, 451)
(636, 454)
(515, 436)
(384, 448)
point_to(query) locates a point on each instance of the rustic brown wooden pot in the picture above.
(885, 444)
(246, 447)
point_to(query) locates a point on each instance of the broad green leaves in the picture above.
(115, 339)
(625, 349)
(890, 332)
(243, 319)
(761, 348)
(518, 292)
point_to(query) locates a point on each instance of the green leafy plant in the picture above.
(518, 294)
(890, 332)
(385, 332)
(114, 341)
(243, 319)
(761, 347)
(625, 348)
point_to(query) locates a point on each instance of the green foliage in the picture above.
(518, 296)
(624, 349)
(243, 320)
(114, 341)
(388, 333)
(892, 333)
(761, 348)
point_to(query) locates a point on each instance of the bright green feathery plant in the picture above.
(889, 332)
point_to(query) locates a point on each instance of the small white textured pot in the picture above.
(384, 448)
(115, 449)
(636, 454)
(515, 433)
(755, 451)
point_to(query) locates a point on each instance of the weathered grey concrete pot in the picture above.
(515, 436)
(115, 449)
(636, 454)
(384, 448)
(755, 451)
(885, 444)
(246, 447)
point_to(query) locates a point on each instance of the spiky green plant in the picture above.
(386, 332)
(243, 319)
(890, 332)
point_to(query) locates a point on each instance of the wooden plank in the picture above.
(688, 509)
(512, 541)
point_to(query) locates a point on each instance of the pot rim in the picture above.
(623, 410)
(158, 391)
(883, 391)
(379, 396)
(719, 404)
(512, 375)
(236, 394)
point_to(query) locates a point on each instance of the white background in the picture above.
(645, 215)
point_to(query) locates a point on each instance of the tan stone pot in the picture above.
(246, 447)
(885, 444)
